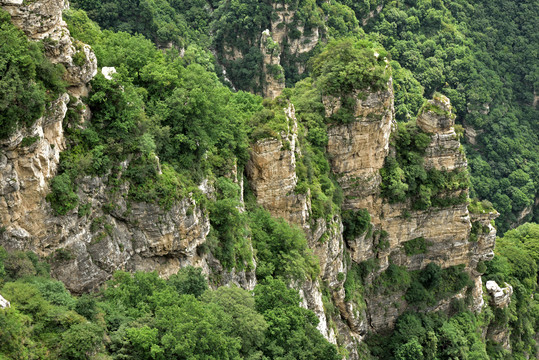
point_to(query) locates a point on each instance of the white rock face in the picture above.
(108, 71)
(501, 297)
(3, 303)
(42, 20)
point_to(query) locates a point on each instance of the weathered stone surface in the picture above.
(4, 303)
(500, 297)
(444, 151)
(358, 150)
(42, 20)
(271, 170)
(283, 15)
(274, 74)
(436, 117)
(25, 173)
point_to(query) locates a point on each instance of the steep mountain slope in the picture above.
(157, 166)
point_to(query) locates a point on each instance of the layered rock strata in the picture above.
(88, 245)
(42, 20)
(25, 171)
(444, 151)
(271, 66)
(271, 170)
(357, 150)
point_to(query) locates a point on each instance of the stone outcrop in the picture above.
(25, 172)
(87, 246)
(358, 150)
(279, 47)
(444, 151)
(42, 20)
(282, 21)
(4, 303)
(500, 297)
(273, 71)
(111, 233)
(271, 170)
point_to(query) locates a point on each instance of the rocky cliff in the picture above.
(285, 40)
(107, 232)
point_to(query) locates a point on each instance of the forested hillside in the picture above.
(260, 179)
(481, 54)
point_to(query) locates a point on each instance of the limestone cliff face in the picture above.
(444, 152)
(282, 39)
(272, 174)
(283, 22)
(271, 66)
(25, 171)
(358, 150)
(87, 246)
(42, 20)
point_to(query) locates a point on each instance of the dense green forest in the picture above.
(141, 316)
(144, 317)
(174, 114)
(481, 54)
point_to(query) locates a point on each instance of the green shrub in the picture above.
(27, 141)
(28, 80)
(62, 197)
(355, 223)
(415, 246)
(404, 176)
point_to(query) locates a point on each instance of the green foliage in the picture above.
(355, 223)
(80, 341)
(289, 325)
(480, 207)
(432, 336)
(355, 279)
(145, 317)
(245, 322)
(62, 197)
(460, 48)
(27, 141)
(162, 21)
(347, 66)
(395, 278)
(271, 121)
(404, 176)
(432, 284)
(515, 262)
(28, 80)
(189, 280)
(281, 249)
(228, 237)
(415, 246)
(167, 117)
(408, 93)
